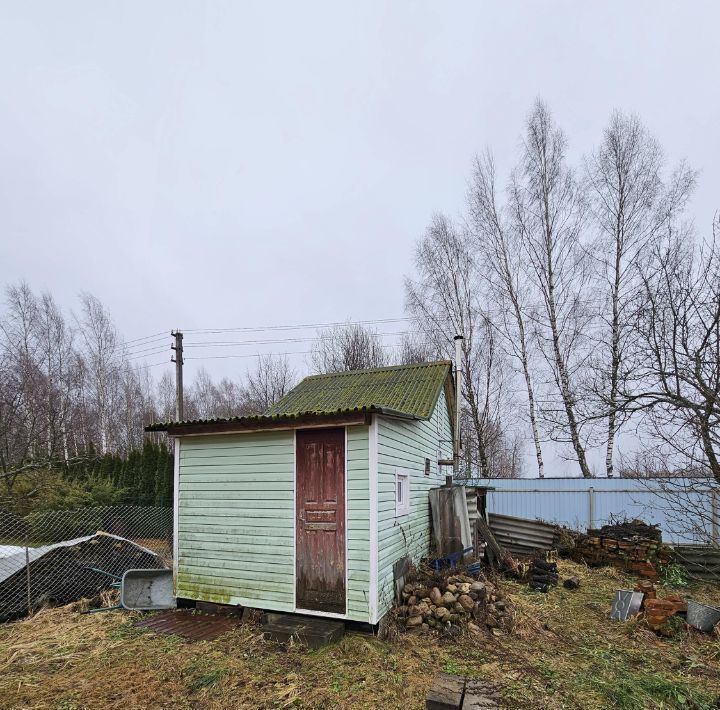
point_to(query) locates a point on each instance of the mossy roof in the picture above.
(404, 390)
(408, 391)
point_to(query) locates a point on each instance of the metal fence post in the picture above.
(715, 518)
(27, 574)
(591, 506)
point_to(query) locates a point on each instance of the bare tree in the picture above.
(675, 377)
(631, 205)
(415, 348)
(271, 380)
(347, 347)
(499, 251)
(101, 351)
(444, 301)
(549, 212)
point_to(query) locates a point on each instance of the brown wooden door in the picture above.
(320, 523)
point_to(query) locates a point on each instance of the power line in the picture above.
(145, 337)
(286, 340)
(295, 327)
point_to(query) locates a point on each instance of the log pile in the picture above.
(543, 575)
(632, 546)
(433, 602)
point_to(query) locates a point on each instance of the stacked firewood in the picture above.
(543, 575)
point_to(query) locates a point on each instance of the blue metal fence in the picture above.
(687, 511)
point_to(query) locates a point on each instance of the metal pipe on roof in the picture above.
(456, 438)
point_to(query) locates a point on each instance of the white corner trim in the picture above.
(373, 537)
(294, 538)
(176, 510)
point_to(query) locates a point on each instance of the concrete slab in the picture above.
(481, 695)
(446, 692)
(313, 631)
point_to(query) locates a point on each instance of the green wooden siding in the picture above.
(236, 524)
(358, 524)
(406, 445)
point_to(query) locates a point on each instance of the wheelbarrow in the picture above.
(141, 590)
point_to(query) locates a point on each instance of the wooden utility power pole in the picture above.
(178, 360)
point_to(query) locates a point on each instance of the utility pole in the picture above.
(178, 360)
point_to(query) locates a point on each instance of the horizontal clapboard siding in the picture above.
(236, 531)
(358, 524)
(405, 445)
(236, 520)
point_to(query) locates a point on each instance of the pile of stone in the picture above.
(543, 575)
(436, 603)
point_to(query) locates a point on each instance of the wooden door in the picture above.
(320, 520)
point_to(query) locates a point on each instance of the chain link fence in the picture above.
(60, 556)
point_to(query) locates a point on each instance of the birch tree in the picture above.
(549, 212)
(444, 300)
(498, 249)
(631, 206)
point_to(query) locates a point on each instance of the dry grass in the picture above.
(562, 653)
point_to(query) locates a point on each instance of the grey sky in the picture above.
(234, 164)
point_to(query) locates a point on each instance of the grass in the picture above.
(561, 652)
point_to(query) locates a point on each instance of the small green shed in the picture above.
(307, 508)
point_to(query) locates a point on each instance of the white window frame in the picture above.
(402, 485)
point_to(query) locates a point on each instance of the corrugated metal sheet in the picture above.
(582, 503)
(522, 537)
(701, 561)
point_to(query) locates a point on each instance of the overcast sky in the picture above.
(217, 165)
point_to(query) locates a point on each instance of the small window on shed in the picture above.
(402, 492)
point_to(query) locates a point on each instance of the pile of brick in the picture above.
(632, 546)
(658, 611)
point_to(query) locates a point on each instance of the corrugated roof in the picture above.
(400, 390)
(406, 390)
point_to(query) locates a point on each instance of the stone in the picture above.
(442, 614)
(422, 592)
(463, 588)
(408, 589)
(491, 621)
(572, 583)
(403, 610)
(500, 605)
(414, 611)
(424, 608)
(448, 599)
(466, 602)
(479, 588)
(451, 588)
(457, 608)
(453, 618)
(435, 596)
(414, 621)
(413, 600)
(474, 628)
